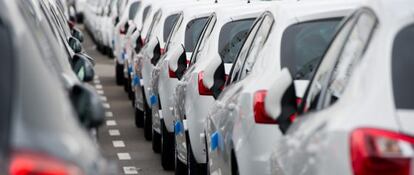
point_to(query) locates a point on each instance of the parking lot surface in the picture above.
(119, 139)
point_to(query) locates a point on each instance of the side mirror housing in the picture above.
(83, 68)
(280, 102)
(77, 34)
(75, 44)
(88, 106)
(177, 64)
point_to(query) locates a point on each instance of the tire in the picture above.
(147, 121)
(167, 149)
(194, 168)
(119, 74)
(139, 118)
(156, 142)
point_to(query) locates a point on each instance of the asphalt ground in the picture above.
(119, 139)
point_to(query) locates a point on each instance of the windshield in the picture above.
(193, 31)
(402, 68)
(232, 37)
(304, 44)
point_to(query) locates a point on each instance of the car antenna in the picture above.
(248, 1)
(216, 1)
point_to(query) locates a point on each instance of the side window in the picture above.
(133, 10)
(236, 68)
(350, 57)
(339, 61)
(145, 13)
(402, 68)
(203, 38)
(232, 36)
(154, 22)
(256, 46)
(168, 25)
(173, 33)
(193, 31)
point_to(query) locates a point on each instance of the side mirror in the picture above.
(215, 76)
(157, 52)
(77, 34)
(178, 62)
(75, 44)
(280, 102)
(139, 43)
(88, 106)
(83, 68)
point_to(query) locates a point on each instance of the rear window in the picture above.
(168, 25)
(232, 37)
(304, 44)
(402, 68)
(133, 10)
(193, 31)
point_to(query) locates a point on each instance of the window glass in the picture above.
(6, 68)
(402, 68)
(236, 68)
(133, 10)
(339, 61)
(168, 25)
(328, 62)
(256, 46)
(201, 43)
(304, 44)
(145, 13)
(193, 31)
(350, 56)
(173, 33)
(154, 23)
(232, 37)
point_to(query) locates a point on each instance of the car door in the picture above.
(301, 150)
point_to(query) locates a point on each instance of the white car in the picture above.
(292, 35)
(221, 40)
(124, 28)
(180, 45)
(161, 25)
(356, 116)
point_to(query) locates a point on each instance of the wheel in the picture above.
(139, 118)
(167, 148)
(147, 121)
(156, 142)
(119, 74)
(180, 167)
(194, 168)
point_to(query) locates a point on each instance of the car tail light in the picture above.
(71, 24)
(171, 73)
(122, 31)
(28, 163)
(162, 51)
(381, 152)
(293, 116)
(201, 88)
(260, 115)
